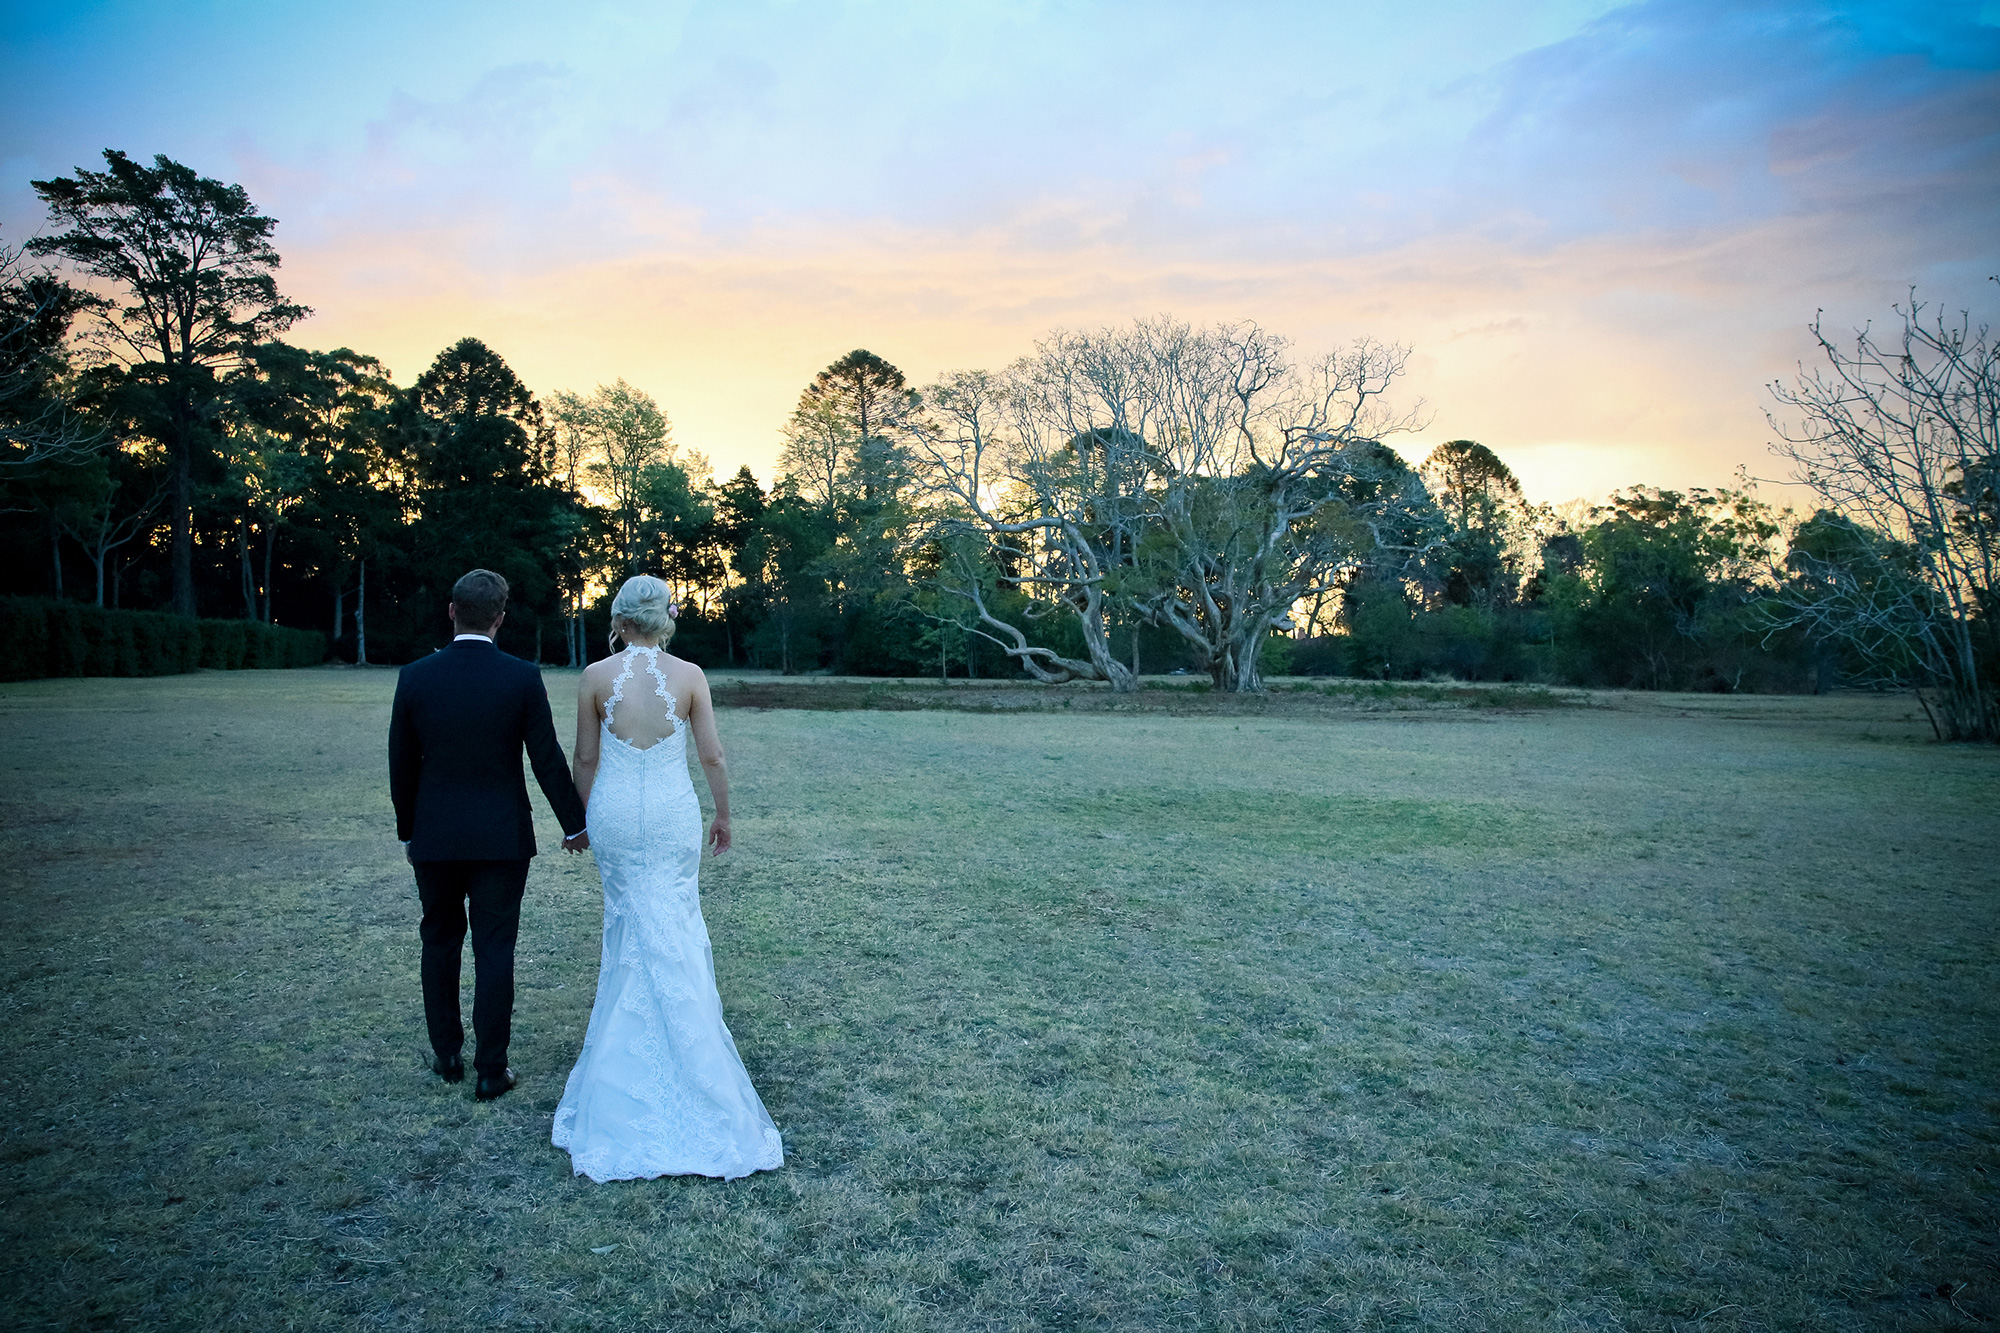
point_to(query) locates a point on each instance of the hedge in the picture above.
(43, 637)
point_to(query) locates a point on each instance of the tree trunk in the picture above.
(1237, 673)
(1233, 670)
(55, 553)
(183, 530)
(361, 619)
(538, 640)
(270, 541)
(1097, 643)
(98, 558)
(1967, 712)
(245, 576)
(339, 603)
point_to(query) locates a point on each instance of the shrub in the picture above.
(1279, 656)
(44, 637)
(1321, 655)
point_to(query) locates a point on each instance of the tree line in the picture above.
(1156, 497)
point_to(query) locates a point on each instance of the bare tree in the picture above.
(36, 425)
(1271, 484)
(1193, 476)
(1902, 446)
(1017, 501)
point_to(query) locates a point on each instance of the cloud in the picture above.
(1602, 227)
(1682, 113)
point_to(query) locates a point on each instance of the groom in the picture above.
(456, 731)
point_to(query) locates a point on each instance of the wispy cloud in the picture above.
(1603, 227)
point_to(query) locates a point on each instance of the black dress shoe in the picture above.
(493, 1085)
(451, 1071)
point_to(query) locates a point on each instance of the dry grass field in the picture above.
(1361, 1010)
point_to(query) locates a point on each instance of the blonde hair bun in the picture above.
(647, 605)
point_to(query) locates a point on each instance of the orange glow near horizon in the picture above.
(1575, 392)
(1601, 227)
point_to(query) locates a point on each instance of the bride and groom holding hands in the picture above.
(658, 1088)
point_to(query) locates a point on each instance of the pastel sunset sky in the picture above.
(1602, 227)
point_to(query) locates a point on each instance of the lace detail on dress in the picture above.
(659, 1088)
(651, 726)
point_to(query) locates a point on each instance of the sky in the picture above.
(1603, 229)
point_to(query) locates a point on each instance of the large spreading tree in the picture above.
(181, 272)
(1197, 478)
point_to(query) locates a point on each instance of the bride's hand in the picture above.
(718, 837)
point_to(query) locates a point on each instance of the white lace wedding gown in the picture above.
(659, 1089)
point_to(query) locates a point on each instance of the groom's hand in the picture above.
(577, 842)
(406, 854)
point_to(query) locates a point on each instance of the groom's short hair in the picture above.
(480, 597)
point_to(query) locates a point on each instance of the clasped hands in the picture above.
(579, 843)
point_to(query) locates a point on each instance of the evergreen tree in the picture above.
(1480, 499)
(315, 426)
(479, 455)
(192, 263)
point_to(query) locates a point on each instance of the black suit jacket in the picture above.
(460, 719)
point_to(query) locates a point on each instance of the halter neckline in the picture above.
(675, 723)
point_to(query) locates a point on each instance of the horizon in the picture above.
(1603, 229)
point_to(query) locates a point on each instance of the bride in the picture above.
(659, 1089)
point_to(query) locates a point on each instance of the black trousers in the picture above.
(493, 891)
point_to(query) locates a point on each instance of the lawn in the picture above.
(1326, 1012)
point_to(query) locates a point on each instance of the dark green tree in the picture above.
(1873, 583)
(842, 452)
(106, 501)
(479, 456)
(191, 262)
(840, 440)
(739, 511)
(739, 506)
(783, 562)
(1481, 500)
(308, 430)
(1666, 597)
(676, 528)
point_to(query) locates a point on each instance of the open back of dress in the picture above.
(635, 714)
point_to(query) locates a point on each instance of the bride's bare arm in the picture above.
(707, 744)
(585, 764)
